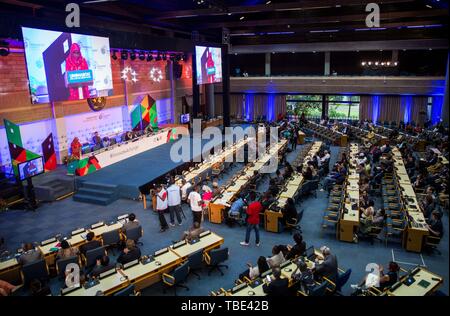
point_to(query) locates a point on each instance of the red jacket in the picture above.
(253, 211)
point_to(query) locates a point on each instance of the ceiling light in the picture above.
(376, 63)
(363, 63)
(429, 6)
(268, 2)
(241, 18)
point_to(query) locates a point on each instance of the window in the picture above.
(343, 106)
(310, 104)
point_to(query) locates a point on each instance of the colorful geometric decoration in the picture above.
(87, 166)
(144, 114)
(72, 167)
(16, 150)
(172, 135)
(48, 151)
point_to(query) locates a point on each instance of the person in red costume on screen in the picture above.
(210, 67)
(75, 148)
(75, 61)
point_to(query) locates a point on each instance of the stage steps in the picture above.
(96, 193)
(54, 189)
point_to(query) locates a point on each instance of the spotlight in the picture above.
(149, 57)
(363, 63)
(388, 63)
(124, 55)
(164, 56)
(4, 49)
(396, 63)
(376, 63)
(133, 55)
(158, 57)
(114, 56)
(369, 63)
(141, 55)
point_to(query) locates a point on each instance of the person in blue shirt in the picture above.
(237, 207)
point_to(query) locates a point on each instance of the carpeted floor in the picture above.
(64, 216)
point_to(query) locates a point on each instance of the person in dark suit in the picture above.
(328, 268)
(30, 254)
(102, 265)
(277, 287)
(298, 249)
(91, 243)
(129, 253)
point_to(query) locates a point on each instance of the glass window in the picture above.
(343, 107)
(309, 104)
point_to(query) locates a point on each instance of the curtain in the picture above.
(390, 109)
(419, 110)
(366, 107)
(436, 109)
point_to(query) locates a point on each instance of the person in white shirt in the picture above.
(195, 201)
(325, 157)
(362, 159)
(184, 188)
(174, 202)
(161, 206)
(277, 257)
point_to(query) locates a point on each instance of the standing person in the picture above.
(195, 201)
(174, 202)
(294, 139)
(161, 206)
(184, 189)
(253, 211)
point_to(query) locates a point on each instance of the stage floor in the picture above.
(137, 171)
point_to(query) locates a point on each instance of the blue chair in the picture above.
(214, 259)
(176, 278)
(128, 291)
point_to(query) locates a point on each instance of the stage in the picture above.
(129, 177)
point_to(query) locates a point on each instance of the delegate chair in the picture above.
(319, 290)
(295, 226)
(135, 233)
(432, 242)
(91, 256)
(111, 239)
(394, 232)
(215, 258)
(195, 262)
(176, 278)
(62, 263)
(35, 270)
(342, 279)
(128, 291)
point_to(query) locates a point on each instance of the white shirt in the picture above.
(161, 200)
(194, 198)
(174, 197)
(324, 158)
(184, 188)
(276, 260)
(253, 272)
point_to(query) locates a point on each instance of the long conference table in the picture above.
(193, 175)
(349, 218)
(325, 132)
(416, 230)
(291, 188)
(230, 192)
(10, 269)
(142, 275)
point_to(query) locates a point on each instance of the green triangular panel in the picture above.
(13, 133)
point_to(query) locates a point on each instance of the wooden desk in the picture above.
(212, 123)
(271, 219)
(206, 243)
(301, 138)
(10, 271)
(415, 289)
(349, 223)
(215, 212)
(108, 286)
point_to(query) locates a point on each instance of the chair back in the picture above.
(134, 233)
(91, 255)
(218, 255)
(300, 216)
(128, 291)
(180, 274)
(196, 260)
(35, 270)
(62, 263)
(343, 279)
(111, 238)
(319, 290)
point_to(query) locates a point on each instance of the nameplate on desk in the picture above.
(160, 252)
(68, 290)
(147, 259)
(111, 223)
(48, 241)
(107, 273)
(193, 241)
(97, 225)
(131, 264)
(268, 272)
(239, 287)
(78, 231)
(206, 233)
(179, 244)
(90, 284)
(125, 216)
